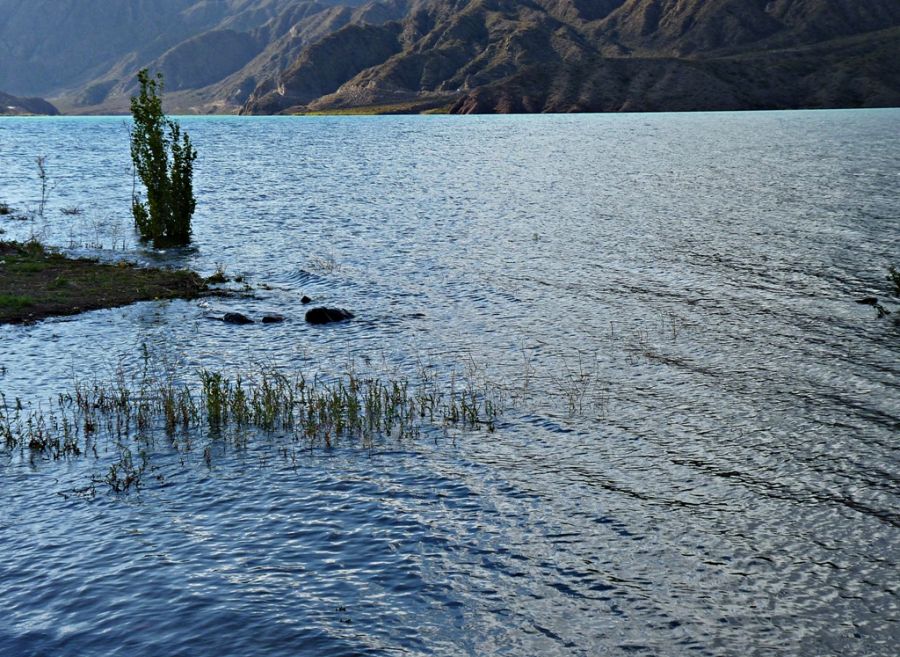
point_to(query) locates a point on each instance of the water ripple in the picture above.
(700, 457)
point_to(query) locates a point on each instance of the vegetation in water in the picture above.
(133, 417)
(163, 159)
(41, 162)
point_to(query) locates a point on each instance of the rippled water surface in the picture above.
(699, 452)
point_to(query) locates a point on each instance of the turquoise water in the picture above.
(699, 450)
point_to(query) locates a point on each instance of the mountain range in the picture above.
(463, 56)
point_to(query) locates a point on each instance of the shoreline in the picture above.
(38, 282)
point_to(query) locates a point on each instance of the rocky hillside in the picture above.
(85, 53)
(610, 55)
(270, 56)
(12, 105)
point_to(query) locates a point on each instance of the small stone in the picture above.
(236, 318)
(272, 319)
(868, 301)
(305, 300)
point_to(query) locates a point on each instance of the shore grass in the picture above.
(39, 283)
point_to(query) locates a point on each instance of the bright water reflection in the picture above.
(702, 455)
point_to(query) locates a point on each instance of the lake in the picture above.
(698, 449)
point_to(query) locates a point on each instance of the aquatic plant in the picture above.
(41, 162)
(223, 409)
(165, 217)
(218, 276)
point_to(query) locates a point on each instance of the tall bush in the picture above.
(163, 159)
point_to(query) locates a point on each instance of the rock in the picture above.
(305, 300)
(328, 315)
(272, 319)
(236, 318)
(868, 301)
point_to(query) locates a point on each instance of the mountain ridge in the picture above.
(15, 106)
(285, 56)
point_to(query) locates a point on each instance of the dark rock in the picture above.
(236, 318)
(868, 301)
(327, 315)
(305, 300)
(272, 319)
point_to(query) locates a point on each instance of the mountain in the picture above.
(271, 56)
(85, 53)
(12, 105)
(610, 55)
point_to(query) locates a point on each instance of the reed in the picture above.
(232, 409)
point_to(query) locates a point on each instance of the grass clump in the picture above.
(11, 301)
(232, 410)
(218, 277)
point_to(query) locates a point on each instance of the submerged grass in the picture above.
(132, 416)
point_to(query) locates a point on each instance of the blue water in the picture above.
(698, 453)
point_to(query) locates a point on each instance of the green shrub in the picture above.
(165, 217)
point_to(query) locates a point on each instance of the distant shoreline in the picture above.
(381, 111)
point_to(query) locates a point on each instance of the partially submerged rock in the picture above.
(236, 318)
(272, 318)
(873, 301)
(327, 315)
